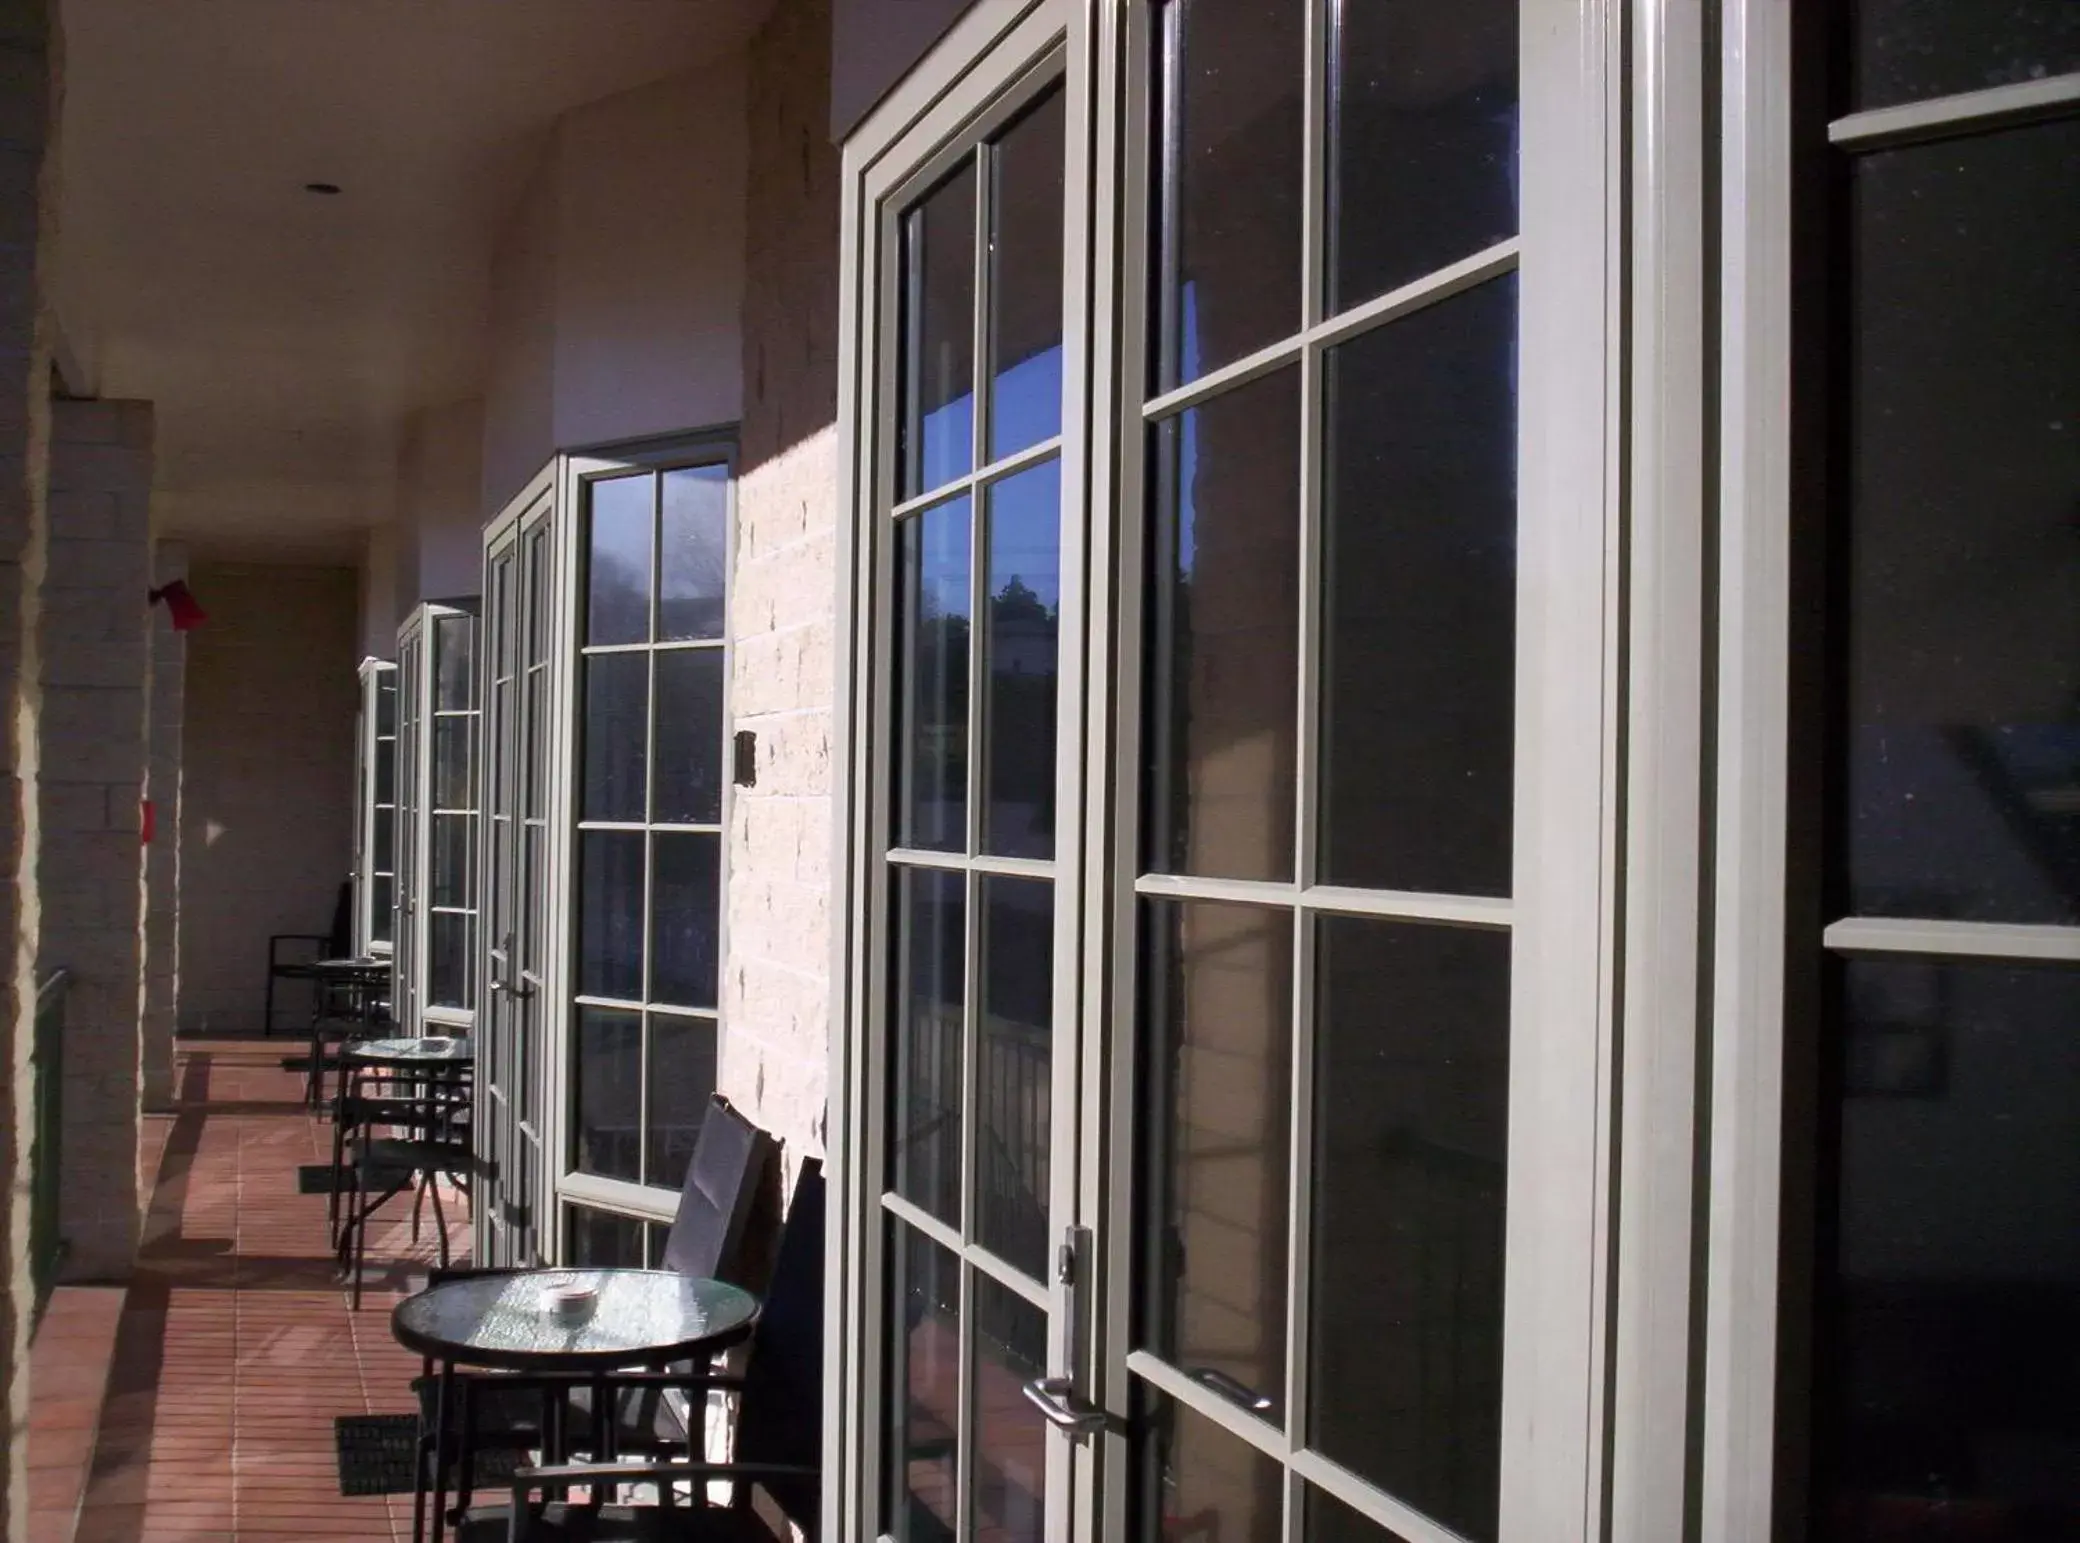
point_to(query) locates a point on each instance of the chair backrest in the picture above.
(780, 1419)
(731, 1157)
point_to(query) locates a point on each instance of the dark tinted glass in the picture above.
(1950, 1282)
(450, 858)
(1422, 140)
(617, 733)
(932, 683)
(610, 914)
(685, 918)
(386, 703)
(1329, 1520)
(447, 963)
(386, 771)
(1911, 50)
(454, 784)
(1224, 657)
(938, 363)
(385, 848)
(1013, 1062)
(1191, 1469)
(1025, 298)
(921, 1424)
(619, 530)
(607, 1092)
(454, 679)
(681, 1076)
(1217, 1058)
(1008, 1494)
(687, 764)
(1230, 182)
(1419, 630)
(1023, 581)
(693, 548)
(601, 1240)
(925, 1096)
(1964, 564)
(1410, 1147)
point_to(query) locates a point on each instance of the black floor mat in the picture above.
(376, 1454)
(316, 1179)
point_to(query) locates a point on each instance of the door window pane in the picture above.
(617, 736)
(454, 663)
(680, 1079)
(606, 1092)
(1419, 632)
(926, 1096)
(1228, 266)
(450, 858)
(938, 362)
(1329, 1520)
(1910, 50)
(1023, 582)
(1410, 1165)
(1422, 140)
(1014, 1064)
(620, 529)
(610, 914)
(694, 546)
(601, 1240)
(447, 965)
(1964, 568)
(685, 898)
(1951, 1288)
(1008, 1485)
(1217, 1067)
(1224, 641)
(454, 785)
(687, 764)
(922, 1421)
(1194, 1474)
(1025, 300)
(932, 721)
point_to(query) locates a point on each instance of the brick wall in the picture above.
(28, 158)
(267, 771)
(96, 647)
(776, 988)
(162, 787)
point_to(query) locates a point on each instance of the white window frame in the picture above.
(372, 674)
(418, 654)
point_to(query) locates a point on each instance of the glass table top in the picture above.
(431, 1049)
(515, 1320)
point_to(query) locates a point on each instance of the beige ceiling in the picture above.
(282, 334)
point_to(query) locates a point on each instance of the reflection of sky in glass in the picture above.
(619, 561)
(694, 544)
(1025, 533)
(1026, 403)
(941, 558)
(943, 442)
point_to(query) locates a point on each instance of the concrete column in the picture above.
(96, 672)
(29, 74)
(162, 856)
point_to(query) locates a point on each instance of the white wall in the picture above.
(377, 596)
(616, 288)
(439, 486)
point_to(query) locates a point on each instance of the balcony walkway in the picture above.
(234, 1348)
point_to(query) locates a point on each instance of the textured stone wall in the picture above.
(96, 674)
(267, 775)
(29, 72)
(777, 986)
(162, 871)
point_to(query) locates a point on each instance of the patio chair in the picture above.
(778, 1432)
(433, 1114)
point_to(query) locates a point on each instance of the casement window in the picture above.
(437, 820)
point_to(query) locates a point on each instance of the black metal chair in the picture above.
(778, 1431)
(427, 1118)
(730, 1168)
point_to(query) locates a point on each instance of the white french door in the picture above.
(1271, 1206)
(518, 695)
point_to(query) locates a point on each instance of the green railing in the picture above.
(46, 1245)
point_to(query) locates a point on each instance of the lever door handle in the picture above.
(1055, 1398)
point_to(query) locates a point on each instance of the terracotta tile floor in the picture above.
(235, 1346)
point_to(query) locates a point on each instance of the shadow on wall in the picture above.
(267, 782)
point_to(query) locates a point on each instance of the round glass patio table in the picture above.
(431, 1050)
(637, 1318)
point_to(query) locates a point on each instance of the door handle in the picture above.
(1055, 1398)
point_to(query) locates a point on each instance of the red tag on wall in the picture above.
(144, 820)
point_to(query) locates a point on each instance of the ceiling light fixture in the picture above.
(326, 188)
